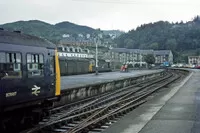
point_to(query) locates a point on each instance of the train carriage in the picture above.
(73, 66)
(29, 71)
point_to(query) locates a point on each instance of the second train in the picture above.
(74, 65)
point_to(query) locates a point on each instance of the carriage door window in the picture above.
(2, 63)
(52, 65)
(35, 65)
(10, 65)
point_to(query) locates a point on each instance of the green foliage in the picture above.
(149, 59)
(154, 46)
(51, 32)
(54, 32)
(177, 37)
(116, 32)
(129, 43)
(73, 28)
(171, 44)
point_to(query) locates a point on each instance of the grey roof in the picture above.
(73, 40)
(134, 50)
(162, 52)
(120, 50)
(73, 58)
(141, 51)
(147, 51)
(67, 40)
(24, 39)
(124, 50)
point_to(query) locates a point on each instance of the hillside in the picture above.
(181, 38)
(73, 28)
(51, 32)
(113, 32)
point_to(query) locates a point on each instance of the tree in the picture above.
(129, 43)
(178, 37)
(149, 59)
(75, 36)
(171, 44)
(154, 46)
(197, 53)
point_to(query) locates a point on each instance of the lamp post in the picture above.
(97, 41)
(96, 65)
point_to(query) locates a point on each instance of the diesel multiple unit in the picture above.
(30, 71)
(29, 75)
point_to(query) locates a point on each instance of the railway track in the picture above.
(94, 113)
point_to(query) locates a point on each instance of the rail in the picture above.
(93, 112)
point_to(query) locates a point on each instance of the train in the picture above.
(76, 66)
(29, 78)
(74, 61)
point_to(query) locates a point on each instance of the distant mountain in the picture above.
(73, 27)
(51, 32)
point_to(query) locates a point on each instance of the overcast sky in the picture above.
(105, 14)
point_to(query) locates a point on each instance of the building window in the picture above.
(71, 50)
(35, 65)
(76, 50)
(10, 65)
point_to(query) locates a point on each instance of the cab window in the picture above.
(35, 65)
(10, 65)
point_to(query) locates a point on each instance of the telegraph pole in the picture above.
(97, 41)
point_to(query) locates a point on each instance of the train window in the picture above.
(2, 57)
(28, 58)
(35, 65)
(10, 65)
(52, 65)
(41, 58)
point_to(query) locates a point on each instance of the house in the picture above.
(162, 56)
(194, 60)
(136, 56)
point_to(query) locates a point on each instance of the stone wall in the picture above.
(75, 94)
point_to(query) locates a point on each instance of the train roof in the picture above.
(19, 38)
(73, 58)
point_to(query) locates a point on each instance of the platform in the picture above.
(172, 110)
(87, 79)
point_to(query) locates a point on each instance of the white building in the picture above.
(74, 52)
(194, 60)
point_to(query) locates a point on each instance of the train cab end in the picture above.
(58, 82)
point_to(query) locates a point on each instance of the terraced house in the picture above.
(135, 56)
(163, 56)
(194, 60)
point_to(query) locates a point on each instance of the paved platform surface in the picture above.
(172, 110)
(82, 80)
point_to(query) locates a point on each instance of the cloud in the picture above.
(104, 14)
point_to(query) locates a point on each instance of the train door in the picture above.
(10, 76)
(37, 80)
(54, 75)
